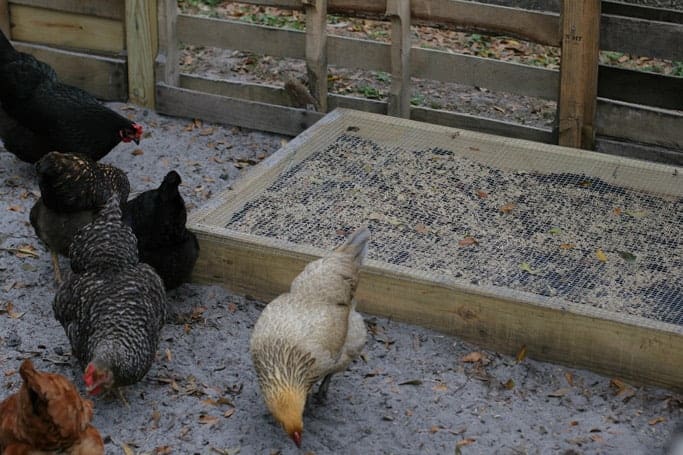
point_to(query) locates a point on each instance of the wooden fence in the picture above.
(132, 50)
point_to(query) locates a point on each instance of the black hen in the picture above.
(112, 307)
(42, 114)
(158, 219)
(73, 190)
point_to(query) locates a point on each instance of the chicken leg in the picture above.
(55, 266)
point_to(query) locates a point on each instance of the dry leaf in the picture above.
(440, 387)
(509, 384)
(617, 211)
(473, 357)
(526, 267)
(465, 442)
(126, 449)
(206, 132)
(156, 417)
(163, 450)
(421, 228)
(482, 194)
(569, 377)
(573, 423)
(467, 241)
(169, 356)
(567, 246)
(137, 152)
(602, 257)
(227, 414)
(208, 420)
(560, 392)
(15, 208)
(232, 307)
(597, 438)
(507, 208)
(521, 354)
(656, 420)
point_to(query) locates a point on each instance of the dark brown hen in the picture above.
(73, 190)
(42, 114)
(158, 219)
(47, 414)
(112, 307)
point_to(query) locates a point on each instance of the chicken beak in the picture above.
(137, 141)
(296, 437)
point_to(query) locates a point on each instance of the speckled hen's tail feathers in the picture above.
(356, 245)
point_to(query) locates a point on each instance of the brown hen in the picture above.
(47, 415)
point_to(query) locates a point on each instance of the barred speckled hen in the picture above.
(73, 190)
(42, 114)
(112, 307)
(310, 333)
(158, 220)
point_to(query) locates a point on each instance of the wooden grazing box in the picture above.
(500, 285)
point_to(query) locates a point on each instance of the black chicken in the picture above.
(73, 190)
(158, 219)
(112, 307)
(42, 114)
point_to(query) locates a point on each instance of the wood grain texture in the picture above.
(142, 45)
(638, 87)
(399, 91)
(215, 108)
(110, 9)
(578, 73)
(4, 18)
(76, 31)
(166, 62)
(316, 50)
(104, 77)
(641, 37)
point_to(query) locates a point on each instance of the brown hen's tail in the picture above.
(357, 244)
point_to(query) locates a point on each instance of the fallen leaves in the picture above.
(602, 257)
(560, 392)
(507, 208)
(23, 251)
(570, 378)
(208, 420)
(482, 194)
(509, 384)
(421, 228)
(625, 255)
(526, 267)
(15, 208)
(521, 354)
(137, 152)
(554, 230)
(473, 357)
(656, 420)
(468, 241)
(465, 442)
(622, 389)
(9, 311)
(567, 246)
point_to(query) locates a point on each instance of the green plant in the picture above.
(382, 76)
(677, 69)
(417, 100)
(370, 92)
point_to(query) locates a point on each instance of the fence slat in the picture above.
(141, 42)
(641, 37)
(638, 87)
(399, 92)
(642, 12)
(100, 8)
(578, 73)
(167, 42)
(104, 77)
(4, 18)
(316, 50)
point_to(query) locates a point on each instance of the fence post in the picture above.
(316, 50)
(399, 93)
(4, 18)
(167, 57)
(141, 44)
(577, 101)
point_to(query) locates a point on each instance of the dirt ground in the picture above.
(412, 393)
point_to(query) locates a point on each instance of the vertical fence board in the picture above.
(579, 73)
(399, 92)
(4, 18)
(167, 66)
(141, 42)
(316, 50)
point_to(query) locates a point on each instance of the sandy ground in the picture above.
(412, 393)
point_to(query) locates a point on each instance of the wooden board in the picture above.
(141, 43)
(111, 9)
(76, 31)
(633, 348)
(642, 12)
(638, 87)
(641, 37)
(104, 77)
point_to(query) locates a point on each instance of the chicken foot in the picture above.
(55, 266)
(321, 394)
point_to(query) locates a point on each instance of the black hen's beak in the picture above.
(137, 141)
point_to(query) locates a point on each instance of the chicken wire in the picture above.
(440, 209)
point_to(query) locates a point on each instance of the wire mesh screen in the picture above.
(432, 208)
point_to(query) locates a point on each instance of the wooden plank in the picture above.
(110, 9)
(642, 12)
(4, 18)
(166, 63)
(482, 124)
(76, 31)
(641, 37)
(399, 92)
(638, 354)
(639, 87)
(239, 35)
(495, 75)
(316, 50)
(358, 53)
(640, 124)
(104, 77)
(639, 151)
(578, 73)
(214, 108)
(141, 42)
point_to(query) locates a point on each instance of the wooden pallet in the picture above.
(633, 348)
